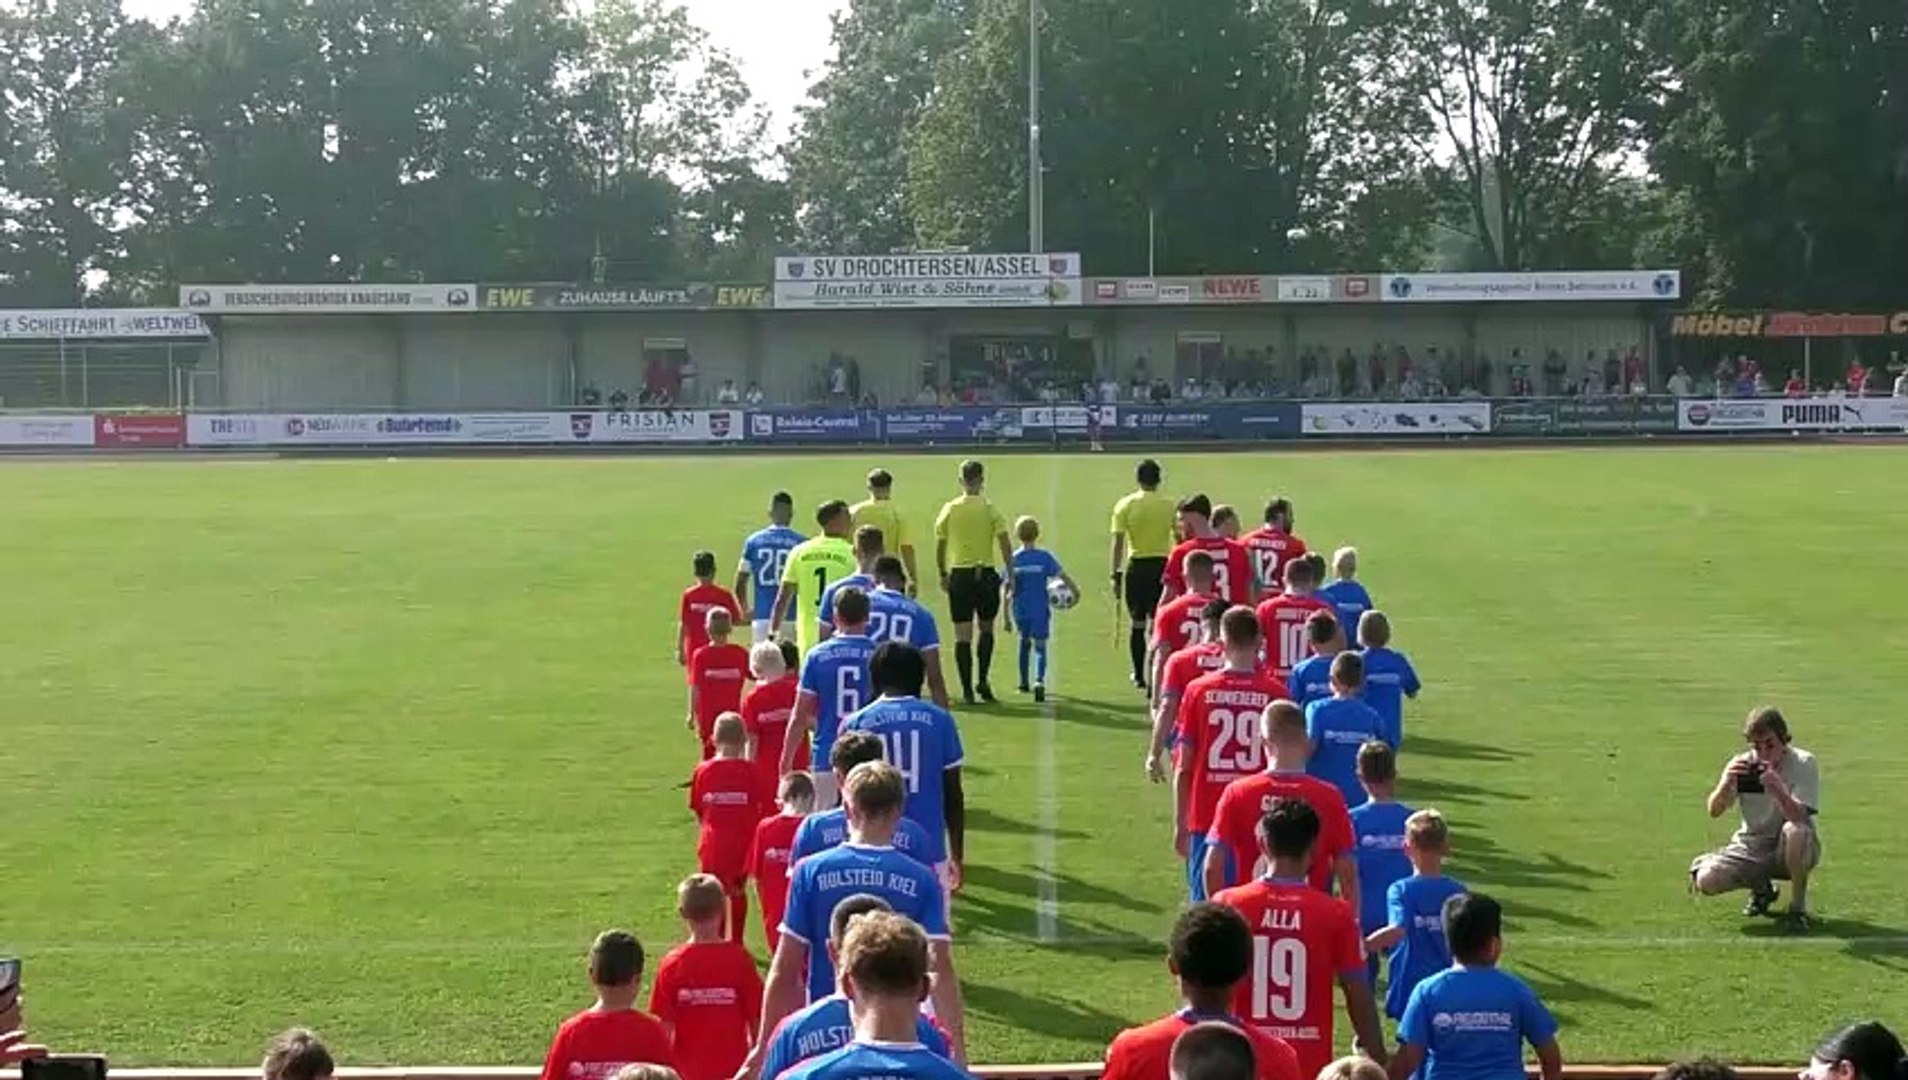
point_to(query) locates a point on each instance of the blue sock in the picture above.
(1040, 653)
(1026, 646)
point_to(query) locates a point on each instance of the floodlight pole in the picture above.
(1036, 182)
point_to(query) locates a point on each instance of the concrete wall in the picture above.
(481, 361)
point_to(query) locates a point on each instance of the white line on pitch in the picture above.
(1046, 847)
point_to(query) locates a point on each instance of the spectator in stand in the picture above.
(1872, 386)
(1856, 379)
(754, 395)
(1633, 373)
(1794, 387)
(1209, 953)
(619, 399)
(612, 1033)
(1748, 381)
(1679, 384)
(298, 1054)
(1864, 1051)
(1901, 384)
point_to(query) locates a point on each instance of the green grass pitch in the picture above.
(378, 746)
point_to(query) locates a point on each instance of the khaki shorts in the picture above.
(1752, 862)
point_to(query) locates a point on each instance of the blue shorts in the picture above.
(1196, 864)
(1034, 627)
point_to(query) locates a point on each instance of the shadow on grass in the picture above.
(1424, 791)
(1559, 991)
(1432, 746)
(1480, 862)
(1126, 716)
(1871, 943)
(981, 819)
(1002, 903)
(1055, 1018)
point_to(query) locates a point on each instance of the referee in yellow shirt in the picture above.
(878, 509)
(1142, 538)
(969, 535)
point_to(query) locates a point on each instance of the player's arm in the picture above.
(1116, 554)
(945, 993)
(800, 727)
(1182, 800)
(1406, 1061)
(1006, 547)
(954, 804)
(743, 575)
(1344, 866)
(1165, 714)
(1724, 795)
(1384, 938)
(781, 996)
(940, 559)
(1213, 870)
(784, 601)
(1362, 1006)
(682, 634)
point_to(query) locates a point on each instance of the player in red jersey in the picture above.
(708, 993)
(698, 600)
(1234, 837)
(1282, 618)
(1302, 941)
(1176, 623)
(1231, 566)
(716, 674)
(1219, 738)
(1208, 654)
(773, 852)
(770, 705)
(729, 801)
(1209, 954)
(1273, 545)
(595, 1043)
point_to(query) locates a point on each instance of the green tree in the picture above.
(1784, 139)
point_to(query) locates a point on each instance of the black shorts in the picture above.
(1145, 580)
(973, 592)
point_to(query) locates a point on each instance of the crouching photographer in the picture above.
(1777, 788)
(14, 1047)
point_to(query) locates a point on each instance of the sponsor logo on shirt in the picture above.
(830, 880)
(1382, 842)
(1479, 1021)
(706, 995)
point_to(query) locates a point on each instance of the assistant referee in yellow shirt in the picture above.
(1142, 539)
(970, 534)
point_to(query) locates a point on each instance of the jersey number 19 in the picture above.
(1278, 979)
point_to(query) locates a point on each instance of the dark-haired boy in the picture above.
(1471, 1021)
(595, 1043)
(698, 600)
(1210, 952)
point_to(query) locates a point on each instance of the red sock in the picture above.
(738, 914)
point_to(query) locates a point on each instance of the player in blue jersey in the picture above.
(885, 963)
(1389, 676)
(1341, 724)
(1378, 826)
(869, 546)
(1345, 594)
(764, 554)
(824, 829)
(868, 863)
(825, 1025)
(1471, 1020)
(1414, 912)
(834, 685)
(1312, 678)
(893, 615)
(923, 742)
(1027, 576)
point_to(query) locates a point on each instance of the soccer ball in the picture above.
(1060, 596)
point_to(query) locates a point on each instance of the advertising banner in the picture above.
(1791, 414)
(1787, 324)
(453, 429)
(954, 424)
(1388, 418)
(1221, 420)
(100, 324)
(828, 282)
(326, 299)
(1616, 415)
(1523, 417)
(146, 431)
(26, 430)
(815, 426)
(693, 297)
(1562, 285)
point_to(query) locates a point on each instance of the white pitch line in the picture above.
(1046, 773)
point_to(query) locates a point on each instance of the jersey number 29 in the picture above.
(1235, 742)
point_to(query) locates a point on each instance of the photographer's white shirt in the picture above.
(1761, 818)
